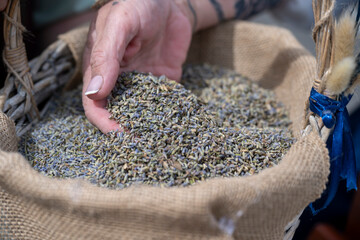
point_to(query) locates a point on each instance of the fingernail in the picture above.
(95, 85)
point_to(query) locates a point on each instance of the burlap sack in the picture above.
(256, 207)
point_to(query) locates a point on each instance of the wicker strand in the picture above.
(322, 34)
(20, 77)
(324, 20)
(14, 57)
(15, 23)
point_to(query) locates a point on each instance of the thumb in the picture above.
(105, 67)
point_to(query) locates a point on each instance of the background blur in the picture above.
(46, 19)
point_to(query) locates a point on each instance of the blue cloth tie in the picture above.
(339, 144)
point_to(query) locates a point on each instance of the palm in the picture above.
(163, 46)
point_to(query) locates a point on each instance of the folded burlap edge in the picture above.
(282, 186)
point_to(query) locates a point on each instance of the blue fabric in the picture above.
(355, 127)
(339, 144)
(355, 130)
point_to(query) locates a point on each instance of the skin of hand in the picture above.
(3, 4)
(126, 35)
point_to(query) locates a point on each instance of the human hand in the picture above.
(3, 4)
(143, 35)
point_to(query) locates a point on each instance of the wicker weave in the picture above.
(28, 84)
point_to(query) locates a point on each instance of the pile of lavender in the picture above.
(216, 123)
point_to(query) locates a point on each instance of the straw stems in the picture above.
(323, 33)
(323, 36)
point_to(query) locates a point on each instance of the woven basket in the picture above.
(30, 84)
(264, 206)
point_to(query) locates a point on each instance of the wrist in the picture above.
(99, 3)
(187, 8)
(204, 13)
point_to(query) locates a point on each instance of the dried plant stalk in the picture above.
(323, 37)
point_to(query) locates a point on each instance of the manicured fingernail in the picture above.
(95, 85)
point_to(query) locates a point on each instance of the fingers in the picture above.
(88, 47)
(105, 48)
(104, 71)
(113, 34)
(98, 115)
(3, 4)
(96, 112)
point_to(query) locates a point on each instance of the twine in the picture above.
(324, 20)
(15, 58)
(18, 25)
(19, 76)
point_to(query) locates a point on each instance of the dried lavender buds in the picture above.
(231, 127)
